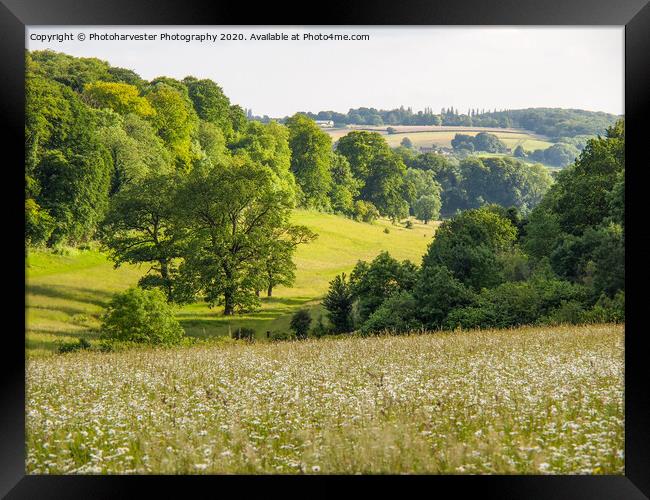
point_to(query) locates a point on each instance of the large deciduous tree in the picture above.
(385, 186)
(120, 97)
(67, 169)
(211, 104)
(139, 228)
(470, 244)
(427, 208)
(310, 160)
(345, 188)
(361, 148)
(175, 121)
(229, 212)
(281, 244)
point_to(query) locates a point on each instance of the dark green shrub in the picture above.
(469, 317)
(281, 335)
(397, 314)
(568, 312)
(437, 293)
(607, 310)
(515, 265)
(320, 329)
(520, 303)
(469, 246)
(554, 292)
(374, 282)
(511, 304)
(338, 302)
(141, 316)
(73, 346)
(300, 323)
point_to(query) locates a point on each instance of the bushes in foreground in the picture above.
(141, 316)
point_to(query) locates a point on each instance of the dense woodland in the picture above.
(170, 173)
(563, 262)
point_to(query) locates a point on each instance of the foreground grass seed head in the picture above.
(529, 400)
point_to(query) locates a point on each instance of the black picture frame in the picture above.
(633, 14)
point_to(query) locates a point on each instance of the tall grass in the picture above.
(527, 400)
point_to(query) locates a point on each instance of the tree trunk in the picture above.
(269, 291)
(228, 308)
(164, 274)
(229, 292)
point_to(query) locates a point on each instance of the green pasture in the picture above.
(66, 293)
(442, 136)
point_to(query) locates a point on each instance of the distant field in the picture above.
(427, 136)
(533, 400)
(66, 294)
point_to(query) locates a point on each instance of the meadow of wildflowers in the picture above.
(529, 400)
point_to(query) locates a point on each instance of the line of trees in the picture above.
(482, 141)
(552, 122)
(92, 130)
(473, 182)
(166, 173)
(492, 267)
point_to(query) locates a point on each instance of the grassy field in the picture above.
(442, 136)
(66, 293)
(527, 401)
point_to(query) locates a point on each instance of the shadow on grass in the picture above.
(70, 311)
(78, 294)
(270, 306)
(206, 328)
(274, 315)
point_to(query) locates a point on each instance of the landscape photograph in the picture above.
(345, 250)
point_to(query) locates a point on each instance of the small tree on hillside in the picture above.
(406, 142)
(300, 323)
(520, 152)
(427, 208)
(279, 267)
(338, 303)
(365, 211)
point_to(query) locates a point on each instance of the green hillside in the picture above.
(66, 293)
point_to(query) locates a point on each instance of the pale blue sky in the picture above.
(463, 67)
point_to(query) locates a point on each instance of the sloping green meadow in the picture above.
(66, 293)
